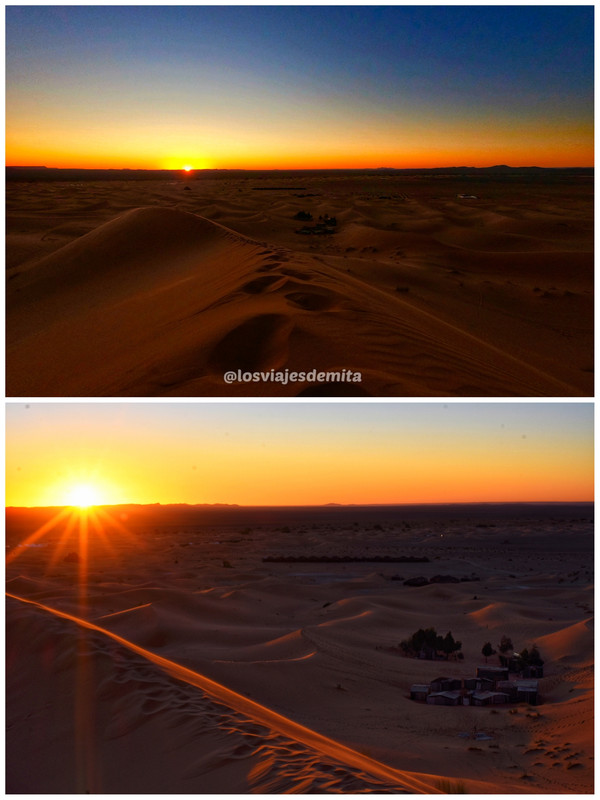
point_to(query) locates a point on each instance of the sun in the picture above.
(187, 168)
(83, 495)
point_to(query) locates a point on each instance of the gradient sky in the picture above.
(299, 87)
(300, 453)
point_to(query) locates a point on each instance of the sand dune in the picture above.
(569, 644)
(300, 749)
(287, 677)
(162, 294)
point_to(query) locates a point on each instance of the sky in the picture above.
(294, 87)
(299, 453)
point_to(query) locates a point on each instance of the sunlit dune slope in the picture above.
(163, 302)
(572, 645)
(277, 754)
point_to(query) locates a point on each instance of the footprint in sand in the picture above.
(295, 273)
(269, 267)
(314, 300)
(260, 285)
(259, 343)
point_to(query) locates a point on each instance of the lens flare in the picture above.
(83, 495)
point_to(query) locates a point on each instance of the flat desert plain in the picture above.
(151, 288)
(187, 663)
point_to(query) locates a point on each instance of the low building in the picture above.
(480, 691)
(488, 698)
(527, 691)
(446, 684)
(493, 673)
(509, 688)
(445, 698)
(419, 691)
(440, 684)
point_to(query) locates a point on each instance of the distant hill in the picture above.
(79, 175)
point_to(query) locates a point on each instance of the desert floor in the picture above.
(172, 658)
(143, 288)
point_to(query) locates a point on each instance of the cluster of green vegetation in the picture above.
(531, 658)
(487, 650)
(429, 644)
(325, 224)
(527, 658)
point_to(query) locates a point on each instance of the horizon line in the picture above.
(294, 169)
(317, 505)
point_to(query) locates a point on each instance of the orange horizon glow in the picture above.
(332, 149)
(191, 504)
(548, 161)
(457, 482)
(299, 87)
(299, 454)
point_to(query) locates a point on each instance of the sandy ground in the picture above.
(173, 658)
(142, 288)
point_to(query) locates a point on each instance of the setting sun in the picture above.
(187, 168)
(260, 454)
(83, 495)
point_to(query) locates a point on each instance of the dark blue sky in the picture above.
(514, 72)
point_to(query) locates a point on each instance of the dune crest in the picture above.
(421, 295)
(344, 758)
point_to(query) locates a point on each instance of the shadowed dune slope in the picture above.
(133, 245)
(278, 754)
(163, 302)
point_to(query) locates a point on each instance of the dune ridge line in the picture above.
(258, 712)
